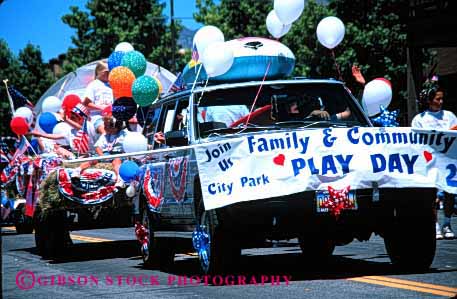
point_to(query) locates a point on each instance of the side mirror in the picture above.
(176, 138)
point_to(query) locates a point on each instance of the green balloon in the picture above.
(145, 90)
(135, 61)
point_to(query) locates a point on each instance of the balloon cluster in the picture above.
(216, 57)
(127, 77)
(284, 13)
(386, 118)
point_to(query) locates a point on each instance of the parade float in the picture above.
(40, 181)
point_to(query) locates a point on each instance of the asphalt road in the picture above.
(106, 264)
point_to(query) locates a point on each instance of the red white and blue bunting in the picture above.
(153, 185)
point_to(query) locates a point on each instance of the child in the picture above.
(98, 95)
(109, 143)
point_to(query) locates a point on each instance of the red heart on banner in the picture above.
(428, 156)
(279, 159)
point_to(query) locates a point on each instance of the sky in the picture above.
(39, 22)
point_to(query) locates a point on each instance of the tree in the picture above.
(377, 39)
(27, 73)
(235, 18)
(108, 22)
(36, 76)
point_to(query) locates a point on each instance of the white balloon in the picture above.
(330, 32)
(51, 104)
(25, 113)
(288, 10)
(376, 93)
(206, 36)
(217, 59)
(275, 26)
(130, 191)
(135, 142)
(123, 47)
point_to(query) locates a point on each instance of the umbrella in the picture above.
(77, 81)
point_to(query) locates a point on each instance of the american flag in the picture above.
(195, 56)
(6, 148)
(178, 84)
(81, 141)
(19, 100)
(20, 149)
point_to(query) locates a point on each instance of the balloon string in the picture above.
(203, 91)
(337, 66)
(257, 95)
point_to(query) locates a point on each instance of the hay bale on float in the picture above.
(50, 197)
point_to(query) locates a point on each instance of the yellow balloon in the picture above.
(159, 84)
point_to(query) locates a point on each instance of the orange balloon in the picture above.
(121, 79)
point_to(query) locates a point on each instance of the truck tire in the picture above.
(23, 224)
(410, 238)
(223, 251)
(159, 253)
(51, 235)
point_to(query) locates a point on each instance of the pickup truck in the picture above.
(171, 201)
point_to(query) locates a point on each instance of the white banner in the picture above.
(269, 165)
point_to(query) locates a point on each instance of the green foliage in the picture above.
(109, 22)
(235, 18)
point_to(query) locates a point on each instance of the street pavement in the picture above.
(106, 264)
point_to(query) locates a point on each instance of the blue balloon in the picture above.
(47, 122)
(129, 171)
(115, 59)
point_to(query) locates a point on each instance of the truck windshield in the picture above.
(277, 106)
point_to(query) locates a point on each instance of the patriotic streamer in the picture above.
(153, 186)
(177, 174)
(95, 186)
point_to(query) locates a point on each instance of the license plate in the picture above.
(323, 195)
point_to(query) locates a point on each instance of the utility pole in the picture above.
(173, 37)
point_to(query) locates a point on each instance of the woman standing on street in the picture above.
(434, 117)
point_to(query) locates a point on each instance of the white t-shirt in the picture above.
(226, 114)
(442, 119)
(70, 133)
(111, 143)
(100, 94)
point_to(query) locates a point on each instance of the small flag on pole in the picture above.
(195, 55)
(81, 141)
(178, 85)
(20, 149)
(19, 99)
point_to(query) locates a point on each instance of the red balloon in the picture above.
(69, 102)
(19, 125)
